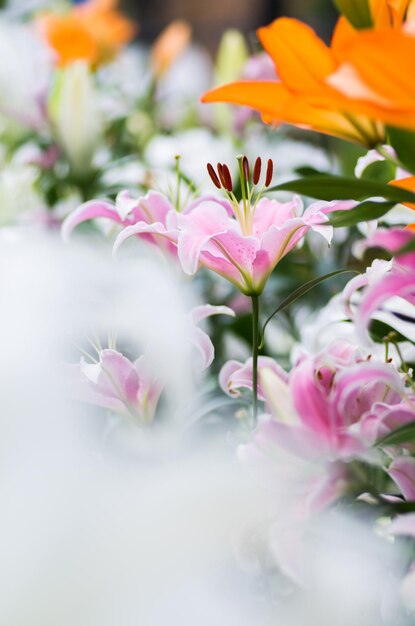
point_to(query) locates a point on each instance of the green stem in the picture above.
(179, 181)
(404, 365)
(255, 350)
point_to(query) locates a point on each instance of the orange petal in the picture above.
(384, 60)
(277, 104)
(302, 59)
(342, 33)
(381, 14)
(398, 9)
(406, 183)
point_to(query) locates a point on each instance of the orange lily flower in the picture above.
(303, 63)
(93, 32)
(376, 77)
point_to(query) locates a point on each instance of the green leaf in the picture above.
(408, 247)
(380, 172)
(363, 212)
(301, 291)
(344, 188)
(403, 434)
(403, 141)
(357, 12)
(379, 330)
(306, 170)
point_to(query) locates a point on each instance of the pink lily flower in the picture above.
(396, 279)
(241, 241)
(245, 244)
(318, 408)
(152, 217)
(303, 447)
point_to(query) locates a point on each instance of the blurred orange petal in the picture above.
(169, 45)
(93, 31)
(342, 33)
(69, 38)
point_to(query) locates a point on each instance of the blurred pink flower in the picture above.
(198, 337)
(130, 387)
(383, 280)
(383, 418)
(120, 385)
(402, 471)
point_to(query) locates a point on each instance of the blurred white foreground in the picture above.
(102, 530)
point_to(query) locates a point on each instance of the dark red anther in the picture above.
(270, 173)
(257, 171)
(213, 175)
(245, 168)
(226, 177)
(221, 176)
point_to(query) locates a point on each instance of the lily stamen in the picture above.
(222, 179)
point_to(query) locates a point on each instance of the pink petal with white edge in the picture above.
(142, 228)
(383, 418)
(207, 220)
(374, 274)
(125, 204)
(391, 240)
(315, 216)
(89, 211)
(356, 283)
(154, 207)
(392, 285)
(199, 338)
(402, 471)
(270, 212)
(210, 198)
(200, 313)
(204, 345)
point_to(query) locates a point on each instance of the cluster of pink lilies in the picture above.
(331, 411)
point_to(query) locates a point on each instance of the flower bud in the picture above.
(73, 109)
